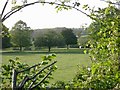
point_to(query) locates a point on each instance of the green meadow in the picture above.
(67, 61)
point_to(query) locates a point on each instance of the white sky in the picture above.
(39, 16)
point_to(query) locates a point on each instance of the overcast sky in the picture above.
(39, 16)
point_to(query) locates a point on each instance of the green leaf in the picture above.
(117, 75)
(85, 7)
(44, 63)
(16, 58)
(13, 1)
(11, 61)
(93, 70)
(107, 11)
(85, 51)
(54, 67)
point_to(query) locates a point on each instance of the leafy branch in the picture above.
(26, 78)
(18, 8)
(23, 76)
(116, 3)
(31, 88)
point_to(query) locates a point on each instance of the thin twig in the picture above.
(29, 68)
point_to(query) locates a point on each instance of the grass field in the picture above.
(67, 61)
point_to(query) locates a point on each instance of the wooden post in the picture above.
(14, 78)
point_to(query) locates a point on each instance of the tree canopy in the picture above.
(6, 38)
(21, 35)
(49, 39)
(69, 36)
(104, 73)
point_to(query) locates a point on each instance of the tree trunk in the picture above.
(20, 48)
(0, 48)
(67, 47)
(0, 33)
(49, 48)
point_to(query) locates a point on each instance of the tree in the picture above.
(104, 73)
(6, 38)
(69, 36)
(49, 39)
(59, 5)
(105, 77)
(21, 35)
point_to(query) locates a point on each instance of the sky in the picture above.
(38, 16)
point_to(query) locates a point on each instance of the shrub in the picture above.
(37, 74)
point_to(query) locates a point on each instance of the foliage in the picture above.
(104, 72)
(18, 66)
(102, 75)
(20, 35)
(69, 36)
(105, 34)
(104, 50)
(59, 84)
(83, 40)
(49, 39)
(5, 38)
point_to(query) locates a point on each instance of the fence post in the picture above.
(14, 78)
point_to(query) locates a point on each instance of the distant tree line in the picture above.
(21, 36)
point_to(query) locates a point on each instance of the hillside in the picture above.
(38, 32)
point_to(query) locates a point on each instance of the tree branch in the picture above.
(41, 80)
(70, 7)
(117, 3)
(30, 87)
(31, 84)
(21, 85)
(4, 8)
(29, 68)
(19, 8)
(43, 69)
(7, 15)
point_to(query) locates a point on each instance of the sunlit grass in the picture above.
(67, 62)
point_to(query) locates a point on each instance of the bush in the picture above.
(38, 73)
(103, 75)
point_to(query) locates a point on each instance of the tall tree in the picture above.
(69, 36)
(21, 35)
(49, 39)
